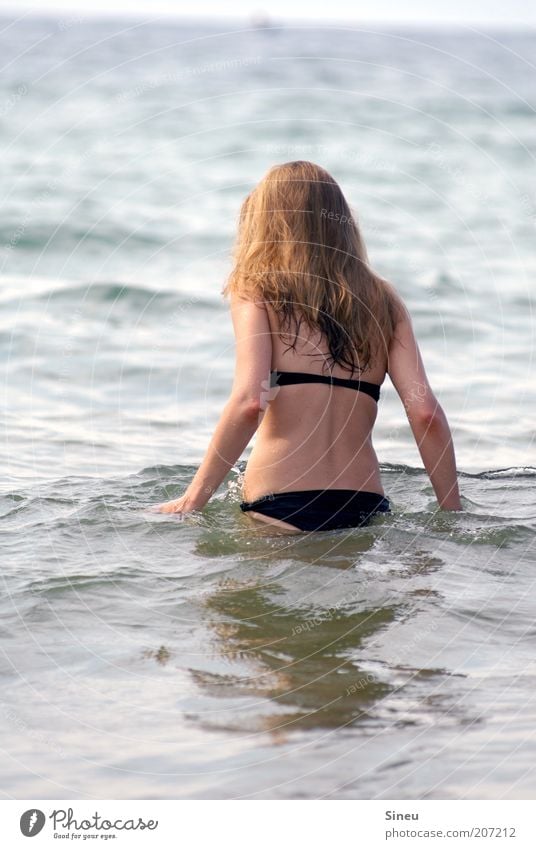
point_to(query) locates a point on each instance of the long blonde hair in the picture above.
(300, 249)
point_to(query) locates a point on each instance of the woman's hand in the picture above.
(180, 505)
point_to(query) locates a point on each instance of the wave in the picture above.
(163, 471)
(22, 289)
(116, 291)
(510, 472)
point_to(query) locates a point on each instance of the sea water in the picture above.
(148, 657)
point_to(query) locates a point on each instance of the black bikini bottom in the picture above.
(321, 509)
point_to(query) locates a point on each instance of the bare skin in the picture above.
(312, 436)
(315, 436)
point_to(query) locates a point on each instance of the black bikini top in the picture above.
(286, 378)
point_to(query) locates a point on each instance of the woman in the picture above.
(316, 332)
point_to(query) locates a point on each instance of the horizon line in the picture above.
(259, 22)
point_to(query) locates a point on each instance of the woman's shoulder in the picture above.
(399, 309)
(239, 300)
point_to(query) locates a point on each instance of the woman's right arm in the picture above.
(427, 420)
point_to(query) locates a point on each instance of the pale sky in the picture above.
(484, 13)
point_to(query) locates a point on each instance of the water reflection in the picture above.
(297, 664)
(292, 622)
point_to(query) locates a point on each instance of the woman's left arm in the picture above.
(243, 411)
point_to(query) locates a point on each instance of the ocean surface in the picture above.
(145, 657)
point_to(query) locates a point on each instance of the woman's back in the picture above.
(313, 435)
